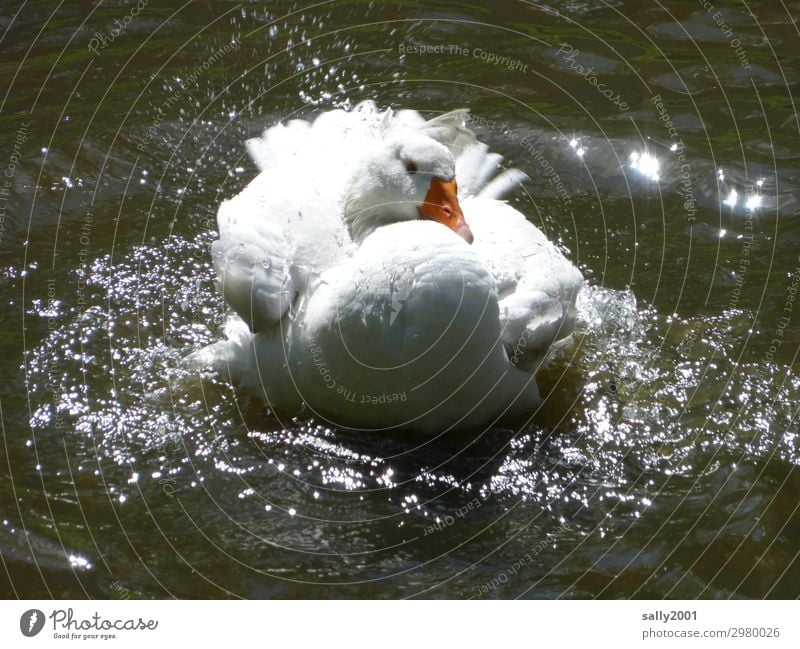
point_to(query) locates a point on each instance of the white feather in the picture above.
(409, 326)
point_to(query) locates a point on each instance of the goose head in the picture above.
(405, 177)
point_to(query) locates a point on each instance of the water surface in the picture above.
(663, 462)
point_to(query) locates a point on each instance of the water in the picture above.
(664, 459)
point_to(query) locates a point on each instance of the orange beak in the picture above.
(441, 205)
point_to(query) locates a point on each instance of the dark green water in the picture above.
(664, 461)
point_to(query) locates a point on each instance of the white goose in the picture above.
(370, 290)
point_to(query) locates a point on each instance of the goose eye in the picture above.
(411, 167)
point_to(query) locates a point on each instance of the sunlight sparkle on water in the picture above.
(79, 562)
(753, 202)
(645, 164)
(579, 150)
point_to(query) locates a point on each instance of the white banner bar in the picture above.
(390, 624)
